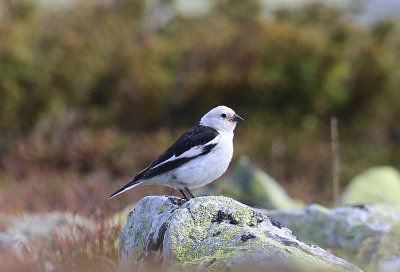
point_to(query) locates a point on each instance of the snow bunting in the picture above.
(201, 155)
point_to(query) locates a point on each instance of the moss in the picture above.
(376, 185)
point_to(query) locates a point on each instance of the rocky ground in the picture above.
(217, 233)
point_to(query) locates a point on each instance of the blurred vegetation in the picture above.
(91, 93)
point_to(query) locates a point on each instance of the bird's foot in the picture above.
(185, 197)
(190, 193)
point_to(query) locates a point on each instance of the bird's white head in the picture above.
(221, 118)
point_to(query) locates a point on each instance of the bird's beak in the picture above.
(237, 118)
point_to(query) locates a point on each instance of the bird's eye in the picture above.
(223, 115)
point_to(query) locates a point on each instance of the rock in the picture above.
(214, 233)
(252, 186)
(388, 259)
(23, 234)
(375, 185)
(37, 226)
(345, 230)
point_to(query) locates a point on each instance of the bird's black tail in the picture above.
(132, 183)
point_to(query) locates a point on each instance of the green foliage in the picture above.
(95, 57)
(286, 75)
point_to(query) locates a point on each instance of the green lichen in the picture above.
(390, 243)
(223, 241)
(137, 232)
(350, 232)
(140, 238)
(163, 209)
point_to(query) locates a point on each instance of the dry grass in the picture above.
(91, 250)
(75, 170)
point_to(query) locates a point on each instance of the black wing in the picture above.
(196, 136)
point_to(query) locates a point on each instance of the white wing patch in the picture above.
(194, 151)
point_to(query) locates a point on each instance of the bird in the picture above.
(200, 156)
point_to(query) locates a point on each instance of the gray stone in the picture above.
(214, 233)
(345, 230)
(375, 185)
(37, 226)
(26, 232)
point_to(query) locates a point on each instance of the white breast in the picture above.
(209, 167)
(202, 170)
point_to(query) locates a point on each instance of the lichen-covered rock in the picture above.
(213, 233)
(250, 185)
(345, 230)
(388, 259)
(375, 185)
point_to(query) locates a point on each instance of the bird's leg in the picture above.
(184, 195)
(190, 193)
